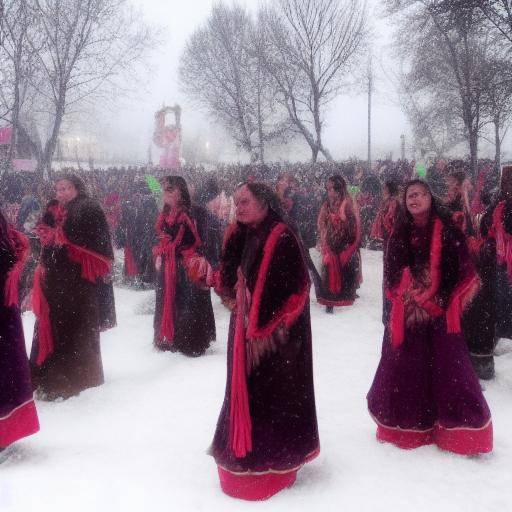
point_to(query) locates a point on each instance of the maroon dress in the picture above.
(18, 416)
(425, 390)
(267, 428)
(339, 230)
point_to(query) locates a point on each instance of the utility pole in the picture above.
(402, 146)
(370, 88)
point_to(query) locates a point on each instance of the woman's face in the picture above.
(172, 196)
(332, 194)
(65, 191)
(248, 209)
(418, 200)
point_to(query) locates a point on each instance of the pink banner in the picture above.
(5, 135)
(20, 164)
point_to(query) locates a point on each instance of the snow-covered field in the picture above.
(139, 442)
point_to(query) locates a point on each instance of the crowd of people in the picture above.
(247, 233)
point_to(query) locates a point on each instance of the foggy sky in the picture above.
(345, 132)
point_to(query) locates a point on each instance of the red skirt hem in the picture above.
(251, 487)
(21, 422)
(463, 441)
(405, 439)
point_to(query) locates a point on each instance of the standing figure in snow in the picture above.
(390, 210)
(479, 319)
(496, 226)
(267, 427)
(206, 213)
(184, 318)
(135, 233)
(425, 390)
(72, 295)
(340, 234)
(18, 416)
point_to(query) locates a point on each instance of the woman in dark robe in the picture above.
(184, 318)
(340, 235)
(267, 427)
(135, 233)
(425, 389)
(478, 321)
(496, 228)
(18, 416)
(72, 295)
(389, 211)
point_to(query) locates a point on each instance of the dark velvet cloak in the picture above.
(136, 234)
(479, 318)
(194, 323)
(79, 309)
(498, 275)
(339, 238)
(280, 376)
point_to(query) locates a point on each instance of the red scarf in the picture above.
(425, 299)
(22, 250)
(335, 262)
(459, 298)
(503, 239)
(166, 248)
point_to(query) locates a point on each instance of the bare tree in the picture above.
(497, 104)
(448, 55)
(313, 45)
(18, 70)
(82, 48)
(221, 71)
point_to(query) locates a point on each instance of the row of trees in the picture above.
(58, 58)
(269, 76)
(456, 70)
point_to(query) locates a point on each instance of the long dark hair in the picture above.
(266, 196)
(400, 253)
(339, 185)
(76, 181)
(179, 183)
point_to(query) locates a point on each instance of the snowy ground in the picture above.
(139, 442)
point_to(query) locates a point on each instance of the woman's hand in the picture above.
(158, 263)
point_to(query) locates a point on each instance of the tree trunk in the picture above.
(497, 141)
(314, 153)
(473, 152)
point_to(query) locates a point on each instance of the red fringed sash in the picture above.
(460, 298)
(239, 413)
(396, 296)
(167, 249)
(42, 311)
(22, 249)
(94, 265)
(503, 239)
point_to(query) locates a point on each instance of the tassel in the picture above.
(239, 414)
(397, 315)
(42, 311)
